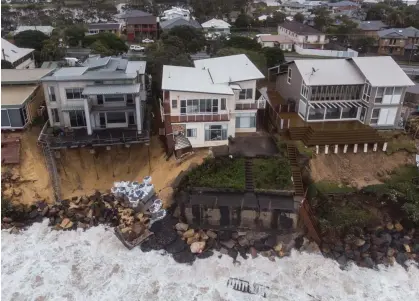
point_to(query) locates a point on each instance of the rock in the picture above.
(407, 248)
(7, 220)
(365, 248)
(313, 247)
(265, 253)
(212, 234)
(390, 226)
(197, 247)
(205, 254)
(233, 253)
(236, 263)
(191, 240)
(242, 233)
(350, 254)
(14, 230)
(325, 248)
(391, 260)
(386, 237)
(82, 225)
(203, 235)
(234, 235)
(243, 241)
(182, 227)
(271, 258)
(359, 242)
(377, 255)
(357, 255)
(189, 233)
(228, 244)
(377, 240)
(390, 252)
(368, 262)
(253, 252)
(415, 248)
(299, 241)
(338, 247)
(224, 251)
(278, 248)
(270, 241)
(258, 245)
(66, 223)
(401, 258)
(138, 229)
(184, 257)
(242, 252)
(45, 211)
(6, 226)
(177, 246)
(398, 227)
(342, 260)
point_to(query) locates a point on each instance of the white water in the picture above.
(93, 265)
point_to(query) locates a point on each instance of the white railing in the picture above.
(331, 53)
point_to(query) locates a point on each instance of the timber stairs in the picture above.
(248, 170)
(295, 170)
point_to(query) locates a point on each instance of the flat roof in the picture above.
(232, 68)
(191, 79)
(16, 95)
(23, 76)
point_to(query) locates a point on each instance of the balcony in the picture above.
(199, 118)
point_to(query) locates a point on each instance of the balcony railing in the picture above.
(247, 106)
(199, 118)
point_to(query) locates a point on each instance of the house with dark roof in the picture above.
(95, 28)
(398, 41)
(171, 23)
(302, 35)
(343, 6)
(371, 28)
(140, 25)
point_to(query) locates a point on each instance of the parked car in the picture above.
(146, 41)
(136, 48)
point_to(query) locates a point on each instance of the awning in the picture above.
(336, 104)
(72, 108)
(111, 89)
(235, 87)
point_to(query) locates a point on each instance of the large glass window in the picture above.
(246, 120)
(199, 106)
(374, 116)
(183, 106)
(246, 94)
(190, 133)
(379, 96)
(215, 132)
(349, 112)
(367, 92)
(316, 114)
(77, 118)
(51, 92)
(55, 116)
(74, 93)
(116, 117)
(332, 113)
(5, 121)
(114, 98)
(223, 104)
(397, 90)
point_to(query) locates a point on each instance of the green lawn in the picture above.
(272, 173)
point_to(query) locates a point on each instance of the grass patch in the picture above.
(218, 173)
(272, 173)
(326, 187)
(398, 141)
(303, 150)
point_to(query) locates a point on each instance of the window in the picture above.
(51, 92)
(24, 115)
(223, 104)
(379, 95)
(349, 112)
(75, 93)
(246, 94)
(245, 120)
(374, 116)
(114, 98)
(174, 103)
(131, 118)
(304, 90)
(183, 107)
(397, 90)
(116, 117)
(316, 113)
(389, 91)
(367, 92)
(130, 99)
(5, 121)
(199, 106)
(215, 132)
(99, 99)
(77, 118)
(289, 75)
(190, 133)
(333, 113)
(55, 116)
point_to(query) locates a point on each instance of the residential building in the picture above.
(366, 89)
(20, 58)
(371, 28)
(101, 103)
(397, 41)
(211, 101)
(176, 12)
(302, 35)
(95, 28)
(216, 26)
(21, 96)
(169, 24)
(44, 29)
(282, 42)
(343, 6)
(291, 8)
(140, 25)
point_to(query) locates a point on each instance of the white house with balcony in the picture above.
(302, 35)
(218, 26)
(366, 89)
(105, 99)
(211, 101)
(176, 12)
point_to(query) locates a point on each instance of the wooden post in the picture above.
(355, 148)
(375, 147)
(336, 148)
(326, 149)
(345, 148)
(317, 149)
(385, 146)
(365, 147)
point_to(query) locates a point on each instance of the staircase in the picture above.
(248, 170)
(295, 170)
(52, 169)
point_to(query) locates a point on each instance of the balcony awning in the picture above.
(336, 104)
(111, 89)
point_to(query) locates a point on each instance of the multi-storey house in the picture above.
(140, 25)
(302, 35)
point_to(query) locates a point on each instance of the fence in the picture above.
(331, 53)
(310, 222)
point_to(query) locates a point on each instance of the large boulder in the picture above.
(197, 247)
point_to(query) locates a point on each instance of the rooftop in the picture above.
(399, 32)
(371, 25)
(191, 79)
(227, 69)
(216, 23)
(105, 26)
(23, 76)
(275, 38)
(382, 71)
(135, 14)
(343, 4)
(45, 29)
(321, 72)
(299, 28)
(16, 95)
(169, 24)
(12, 53)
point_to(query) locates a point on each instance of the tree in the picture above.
(243, 43)
(75, 34)
(192, 39)
(99, 48)
(277, 18)
(274, 56)
(51, 50)
(257, 58)
(322, 18)
(243, 21)
(30, 39)
(110, 41)
(299, 17)
(6, 65)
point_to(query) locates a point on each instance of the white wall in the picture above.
(28, 64)
(331, 53)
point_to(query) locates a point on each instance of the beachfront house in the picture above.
(211, 101)
(103, 101)
(139, 25)
(95, 28)
(302, 35)
(19, 58)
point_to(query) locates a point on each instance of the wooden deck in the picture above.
(10, 150)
